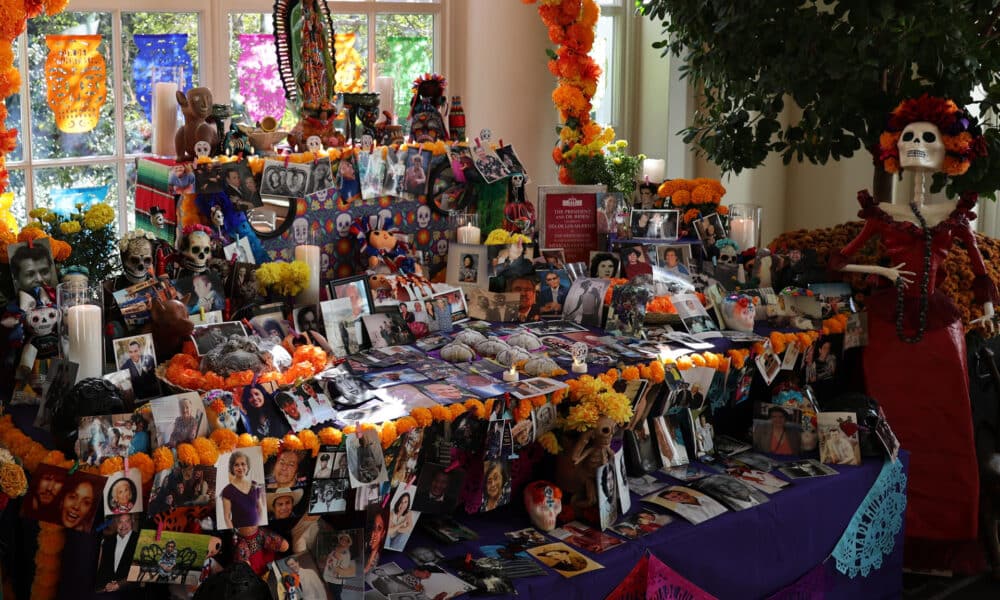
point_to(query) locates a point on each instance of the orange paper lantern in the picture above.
(77, 81)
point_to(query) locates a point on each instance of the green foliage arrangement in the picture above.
(89, 232)
(612, 166)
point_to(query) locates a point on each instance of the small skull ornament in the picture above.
(137, 259)
(579, 352)
(300, 230)
(157, 217)
(423, 216)
(727, 255)
(203, 149)
(218, 216)
(343, 224)
(920, 146)
(485, 135)
(196, 248)
(314, 144)
(544, 503)
(43, 320)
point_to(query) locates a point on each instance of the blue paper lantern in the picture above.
(159, 58)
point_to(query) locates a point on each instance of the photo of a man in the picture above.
(552, 295)
(116, 553)
(137, 356)
(31, 265)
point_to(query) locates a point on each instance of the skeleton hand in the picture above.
(895, 273)
(987, 321)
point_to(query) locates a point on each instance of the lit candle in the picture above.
(164, 118)
(384, 87)
(310, 255)
(468, 234)
(654, 170)
(742, 231)
(511, 375)
(83, 324)
(579, 366)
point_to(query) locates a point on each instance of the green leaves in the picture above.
(845, 64)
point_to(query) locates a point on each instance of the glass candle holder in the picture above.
(744, 225)
(466, 228)
(82, 328)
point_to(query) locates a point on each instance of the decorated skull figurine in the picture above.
(739, 311)
(196, 249)
(544, 503)
(314, 144)
(343, 224)
(137, 256)
(203, 149)
(920, 146)
(579, 352)
(157, 217)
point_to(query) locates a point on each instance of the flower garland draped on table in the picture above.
(13, 24)
(571, 25)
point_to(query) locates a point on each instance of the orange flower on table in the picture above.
(661, 304)
(691, 215)
(684, 363)
(224, 439)
(142, 461)
(310, 441)
(722, 210)
(630, 373)
(112, 465)
(698, 360)
(331, 436)
(456, 409)
(208, 452)
(387, 434)
(681, 198)
(291, 441)
(405, 425)
(558, 396)
(523, 409)
(440, 413)
(246, 440)
(187, 454)
(423, 416)
(162, 459)
(269, 447)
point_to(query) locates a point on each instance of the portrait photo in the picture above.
(710, 230)
(387, 329)
(640, 524)
(259, 413)
(137, 355)
(179, 418)
(734, 493)
(401, 518)
(675, 259)
(563, 559)
(604, 265)
(282, 180)
(365, 461)
(806, 469)
(654, 224)
(496, 485)
(438, 489)
(31, 265)
(118, 544)
(415, 177)
(240, 500)
(585, 301)
(552, 290)
(553, 258)
(316, 400)
(338, 553)
(283, 503)
(321, 175)
(123, 493)
(838, 438)
(308, 319)
(205, 292)
(777, 429)
(467, 265)
(635, 261)
(295, 410)
(55, 496)
(239, 184)
(344, 330)
(330, 464)
(607, 495)
(298, 576)
(510, 161)
(692, 505)
(328, 495)
(611, 210)
(270, 325)
(403, 467)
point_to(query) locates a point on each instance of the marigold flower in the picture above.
(224, 439)
(162, 459)
(331, 436)
(269, 447)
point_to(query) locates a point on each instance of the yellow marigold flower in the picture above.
(388, 434)
(549, 442)
(38, 213)
(246, 440)
(291, 442)
(498, 236)
(98, 216)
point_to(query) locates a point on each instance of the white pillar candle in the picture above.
(384, 87)
(164, 118)
(83, 325)
(310, 255)
(468, 234)
(511, 375)
(742, 231)
(654, 170)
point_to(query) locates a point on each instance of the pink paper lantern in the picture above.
(259, 82)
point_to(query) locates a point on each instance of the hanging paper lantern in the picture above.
(159, 58)
(348, 78)
(76, 75)
(257, 71)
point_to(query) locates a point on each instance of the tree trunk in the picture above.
(881, 184)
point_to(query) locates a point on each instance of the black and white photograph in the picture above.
(694, 316)
(320, 175)
(240, 499)
(710, 230)
(123, 493)
(541, 328)
(585, 301)
(777, 429)
(344, 329)
(308, 319)
(282, 180)
(31, 265)
(544, 419)
(495, 307)
(387, 329)
(654, 224)
(179, 419)
(328, 496)
(395, 172)
(607, 495)
(330, 464)
(365, 461)
(805, 469)
(209, 336)
(690, 504)
(468, 265)
(734, 493)
(239, 184)
(137, 355)
(604, 265)
(564, 560)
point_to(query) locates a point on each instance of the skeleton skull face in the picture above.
(202, 149)
(314, 143)
(423, 216)
(159, 220)
(544, 503)
(196, 251)
(920, 146)
(218, 217)
(343, 223)
(43, 321)
(442, 247)
(485, 135)
(300, 230)
(137, 259)
(517, 179)
(324, 262)
(727, 255)
(579, 351)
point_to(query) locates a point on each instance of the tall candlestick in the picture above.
(310, 255)
(744, 225)
(384, 87)
(468, 234)
(164, 118)
(83, 325)
(654, 170)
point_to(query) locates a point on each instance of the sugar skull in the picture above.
(544, 503)
(739, 312)
(423, 216)
(43, 320)
(579, 352)
(314, 144)
(202, 149)
(196, 248)
(300, 230)
(343, 224)
(137, 257)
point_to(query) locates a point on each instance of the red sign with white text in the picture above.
(571, 224)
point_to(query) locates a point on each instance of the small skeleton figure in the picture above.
(591, 451)
(157, 216)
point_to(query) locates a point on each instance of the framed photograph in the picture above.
(240, 499)
(567, 219)
(137, 355)
(468, 265)
(239, 184)
(635, 260)
(675, 259)
(389, 329)
(710, 230)
(654, 224)
(206, 337)
(554, 258)
(179, 418)
(282, 180)
(31, 265)
(357, 290)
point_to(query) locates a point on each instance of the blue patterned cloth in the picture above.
(872, 532)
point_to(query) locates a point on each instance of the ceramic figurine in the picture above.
(197, 107)
(544, 503)
(739, 310)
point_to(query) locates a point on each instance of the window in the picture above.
(399, 39)
(609, 53)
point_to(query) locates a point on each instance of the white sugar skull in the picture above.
(739, 312)
(324, 262)
(442, 247)
(423, 216)
(579, 352)
(343, 224)
(300, 230)
(202, 149)
(218, 217)
(196, 250)
(485, 135)
(314, 143)
(544, 503)
(43, 321)
(137, 259)
(727, 255)
(920, 146)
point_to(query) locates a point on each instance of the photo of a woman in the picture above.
(339, 567)
(375, 542)
(260, 417)
(78, 505)
(122, 496)
(242, 499)
(496, 486)
(401, 518)
(468, 273)
(604, 265)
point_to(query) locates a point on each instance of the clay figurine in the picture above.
(197, 107)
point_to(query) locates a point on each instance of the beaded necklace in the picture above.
(924, 286)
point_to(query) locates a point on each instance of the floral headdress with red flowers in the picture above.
(960, 132)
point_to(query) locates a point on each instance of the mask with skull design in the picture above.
(195, 251)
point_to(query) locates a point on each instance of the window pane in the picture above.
(358, 25)
(47, 140)
(17, 188)
(138, 126)
(404, 50)
(261, 85)
(49, 180)
(603, 53)
(130, 175)
(13, 104)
